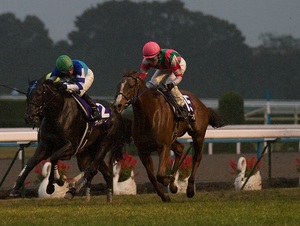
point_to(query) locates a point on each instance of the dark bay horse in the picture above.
(64, 131)
(155, 129)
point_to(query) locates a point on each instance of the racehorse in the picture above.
(155, 128)
(65, 131)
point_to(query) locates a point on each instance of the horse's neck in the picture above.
(60, 107)
(149, 104)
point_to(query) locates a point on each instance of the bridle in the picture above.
(132, 100)
(43, 103)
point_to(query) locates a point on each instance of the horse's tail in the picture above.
(214, 119)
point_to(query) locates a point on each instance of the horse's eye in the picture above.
(132, 84)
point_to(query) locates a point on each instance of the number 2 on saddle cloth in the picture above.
(104, 112)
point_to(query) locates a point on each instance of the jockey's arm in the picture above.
(144, 68)
(75, 85)
(176, 69)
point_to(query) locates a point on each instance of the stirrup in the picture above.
(192, 117)
(95, 114)
(183, 112)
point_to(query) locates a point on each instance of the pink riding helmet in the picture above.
(150, 49)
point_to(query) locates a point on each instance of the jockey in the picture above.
(75, 77)
(169, 66)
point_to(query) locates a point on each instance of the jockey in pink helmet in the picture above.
(170, 67)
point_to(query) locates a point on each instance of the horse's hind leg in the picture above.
(197, 144)
(84, 159)
(148, 164)
(177, 148)
(107, 174)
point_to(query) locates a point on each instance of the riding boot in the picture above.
(183, 112)
(95, 113)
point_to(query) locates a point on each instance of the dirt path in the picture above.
(213, 169)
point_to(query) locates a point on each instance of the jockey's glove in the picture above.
(170, 86)
(62, 87)
(150, 85)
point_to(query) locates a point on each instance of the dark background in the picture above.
(110, 37)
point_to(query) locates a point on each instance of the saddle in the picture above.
(104, 113)
(176, 109)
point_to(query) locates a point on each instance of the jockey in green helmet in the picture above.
(75, 77)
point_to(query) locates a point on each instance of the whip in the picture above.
(12, 89)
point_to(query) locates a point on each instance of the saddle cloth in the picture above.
(170, 99)
(104, 113)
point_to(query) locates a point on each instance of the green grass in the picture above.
(265, 207)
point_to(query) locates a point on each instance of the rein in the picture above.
(136, 91)
(43, 102)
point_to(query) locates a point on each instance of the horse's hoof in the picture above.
(60, 182)
(69, 195)
(14, 194)
(109, 196)
(88, 194)
(166, 198)
(173, 188)
(50, 189)
(190, 191)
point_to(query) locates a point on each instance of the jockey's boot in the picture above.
(95, 113)
(185, 113)
(182, 112)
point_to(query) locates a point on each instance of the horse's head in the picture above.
(34, 102)
(127, 90)
(37, 98)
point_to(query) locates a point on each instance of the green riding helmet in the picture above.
(64, 63)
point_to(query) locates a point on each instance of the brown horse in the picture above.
(156, 129)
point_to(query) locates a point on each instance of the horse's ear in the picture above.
(127, 72)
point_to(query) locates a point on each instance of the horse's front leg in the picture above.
(148, 164)
(161, 176)
(63, 153)
(38, 156)
(177, 148)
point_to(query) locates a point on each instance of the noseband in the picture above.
(133, 99)
(43, 103)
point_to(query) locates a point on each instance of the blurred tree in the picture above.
(277, 66)
(231, 108)
(26, 50)
(110, 38)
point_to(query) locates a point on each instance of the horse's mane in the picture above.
(130, 73)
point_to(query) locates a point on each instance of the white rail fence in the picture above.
(234, 133)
